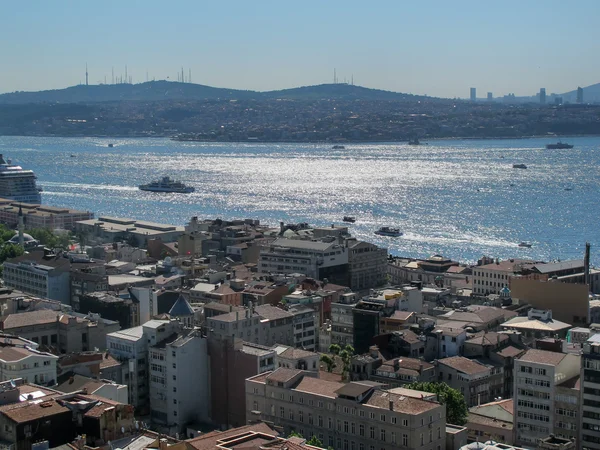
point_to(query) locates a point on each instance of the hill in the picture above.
(591, 94)
(169, 90)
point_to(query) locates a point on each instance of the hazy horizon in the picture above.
(437, 49)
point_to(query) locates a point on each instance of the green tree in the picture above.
(328, 361)
(295, 434)
(6, 233)
(346, 355)
(456, 406)
(49, 238)
(315, 442)
(9, 251)
(335, 349)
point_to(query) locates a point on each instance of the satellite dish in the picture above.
(168, 261)
(123, 430)
(137, 425)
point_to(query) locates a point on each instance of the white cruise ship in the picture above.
(17, 183)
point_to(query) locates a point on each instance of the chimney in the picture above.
(586, 265)
(391, 405)
(281, 227)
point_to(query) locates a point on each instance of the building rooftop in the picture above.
(559, 266)
(34, 410)
(129, 334)
(400, 403)
(317, 386)
(282, 374)
(31, 318)
(525, 323)
(303, 244)
(14, 354)
(464, 365)
(181, 308)
(513, 265)
(542, 357)
(211, 441)
(296, 353)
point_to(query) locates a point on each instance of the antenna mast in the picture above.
(86, 75)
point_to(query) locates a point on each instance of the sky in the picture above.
(436, 47)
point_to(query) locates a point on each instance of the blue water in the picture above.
(461, 199)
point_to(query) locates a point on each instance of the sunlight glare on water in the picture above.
(461, 199)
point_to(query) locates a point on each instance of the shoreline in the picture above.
(256, 141)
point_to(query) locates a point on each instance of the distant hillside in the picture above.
(591, 94)
(170, 90)
(340, 91)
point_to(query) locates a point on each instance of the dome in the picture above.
(505, 292)
(26, 238)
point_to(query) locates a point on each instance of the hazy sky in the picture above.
(438, 48)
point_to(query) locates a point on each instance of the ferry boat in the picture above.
(558, 146)
(519, 166)
(525, 244)
(111, 145)
(338, 147)
(388, 231)
(349, 219)
(166, 184)
(17, 183)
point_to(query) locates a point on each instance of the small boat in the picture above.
(350, 219)
(389, 231)
(111, 145)
(525, 244)
(338, 147)
(73, 156)
(166, 184)
(568, 189)
(519, 166)
(558, 146)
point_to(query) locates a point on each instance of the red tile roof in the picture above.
(209, 441)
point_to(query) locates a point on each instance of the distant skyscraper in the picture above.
(543, 96)
(473, 94)
(490, 97)
(579, 95)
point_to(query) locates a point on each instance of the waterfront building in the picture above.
(357, 415)
(491, 278)
(40, 216)
(315, 259)
(546, 395)
(137, 232)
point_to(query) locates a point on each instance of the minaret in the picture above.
(21, 227)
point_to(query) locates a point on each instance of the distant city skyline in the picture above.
(439, 48)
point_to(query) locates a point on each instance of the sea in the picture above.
(458, 198)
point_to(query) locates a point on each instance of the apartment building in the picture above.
(179, 386)
(264, 324)
(63, 333)
(137, 232)
(39, 273)
(540, 408)
(589, 436)
(130, 347)
(537, 325)
(478, 382)
(315, 259)
(367, 264)
(491, 278)
(353, 416)
(305, 327)
(19, 358)
(231, 362)
(342, 324)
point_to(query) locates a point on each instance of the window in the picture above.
(405, 440)
(310, 419)
(255, 405)
(174, 377)
(371, 415)
(281, 412)
(345, 426)
(404, 422)
(301, 415)
(174, 389)
(174, 401)
(372, 432)
(353, 428)
(422, 439)
(393, 437)
(393, 420)
(291, 414)
(361, 429)
(320, 421)
(382, 417)
(382, 435)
